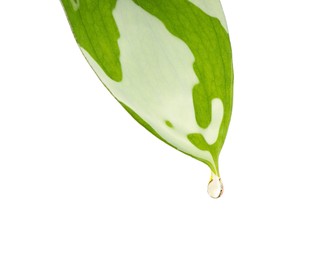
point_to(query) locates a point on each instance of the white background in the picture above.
(80, 179)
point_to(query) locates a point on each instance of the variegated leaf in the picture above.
(168, 62)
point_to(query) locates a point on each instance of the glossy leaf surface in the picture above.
(168, 62)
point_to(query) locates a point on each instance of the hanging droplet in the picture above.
(215, 187)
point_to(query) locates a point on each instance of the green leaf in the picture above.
(169, 63)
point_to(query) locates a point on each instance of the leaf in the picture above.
(169, 63)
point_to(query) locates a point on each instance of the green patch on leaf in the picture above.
(96, 31)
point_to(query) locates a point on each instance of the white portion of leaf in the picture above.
(212, 131)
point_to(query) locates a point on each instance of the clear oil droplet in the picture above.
(215, 187)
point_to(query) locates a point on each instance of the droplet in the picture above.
(215, 187)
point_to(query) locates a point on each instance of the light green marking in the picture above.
(169, 124)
